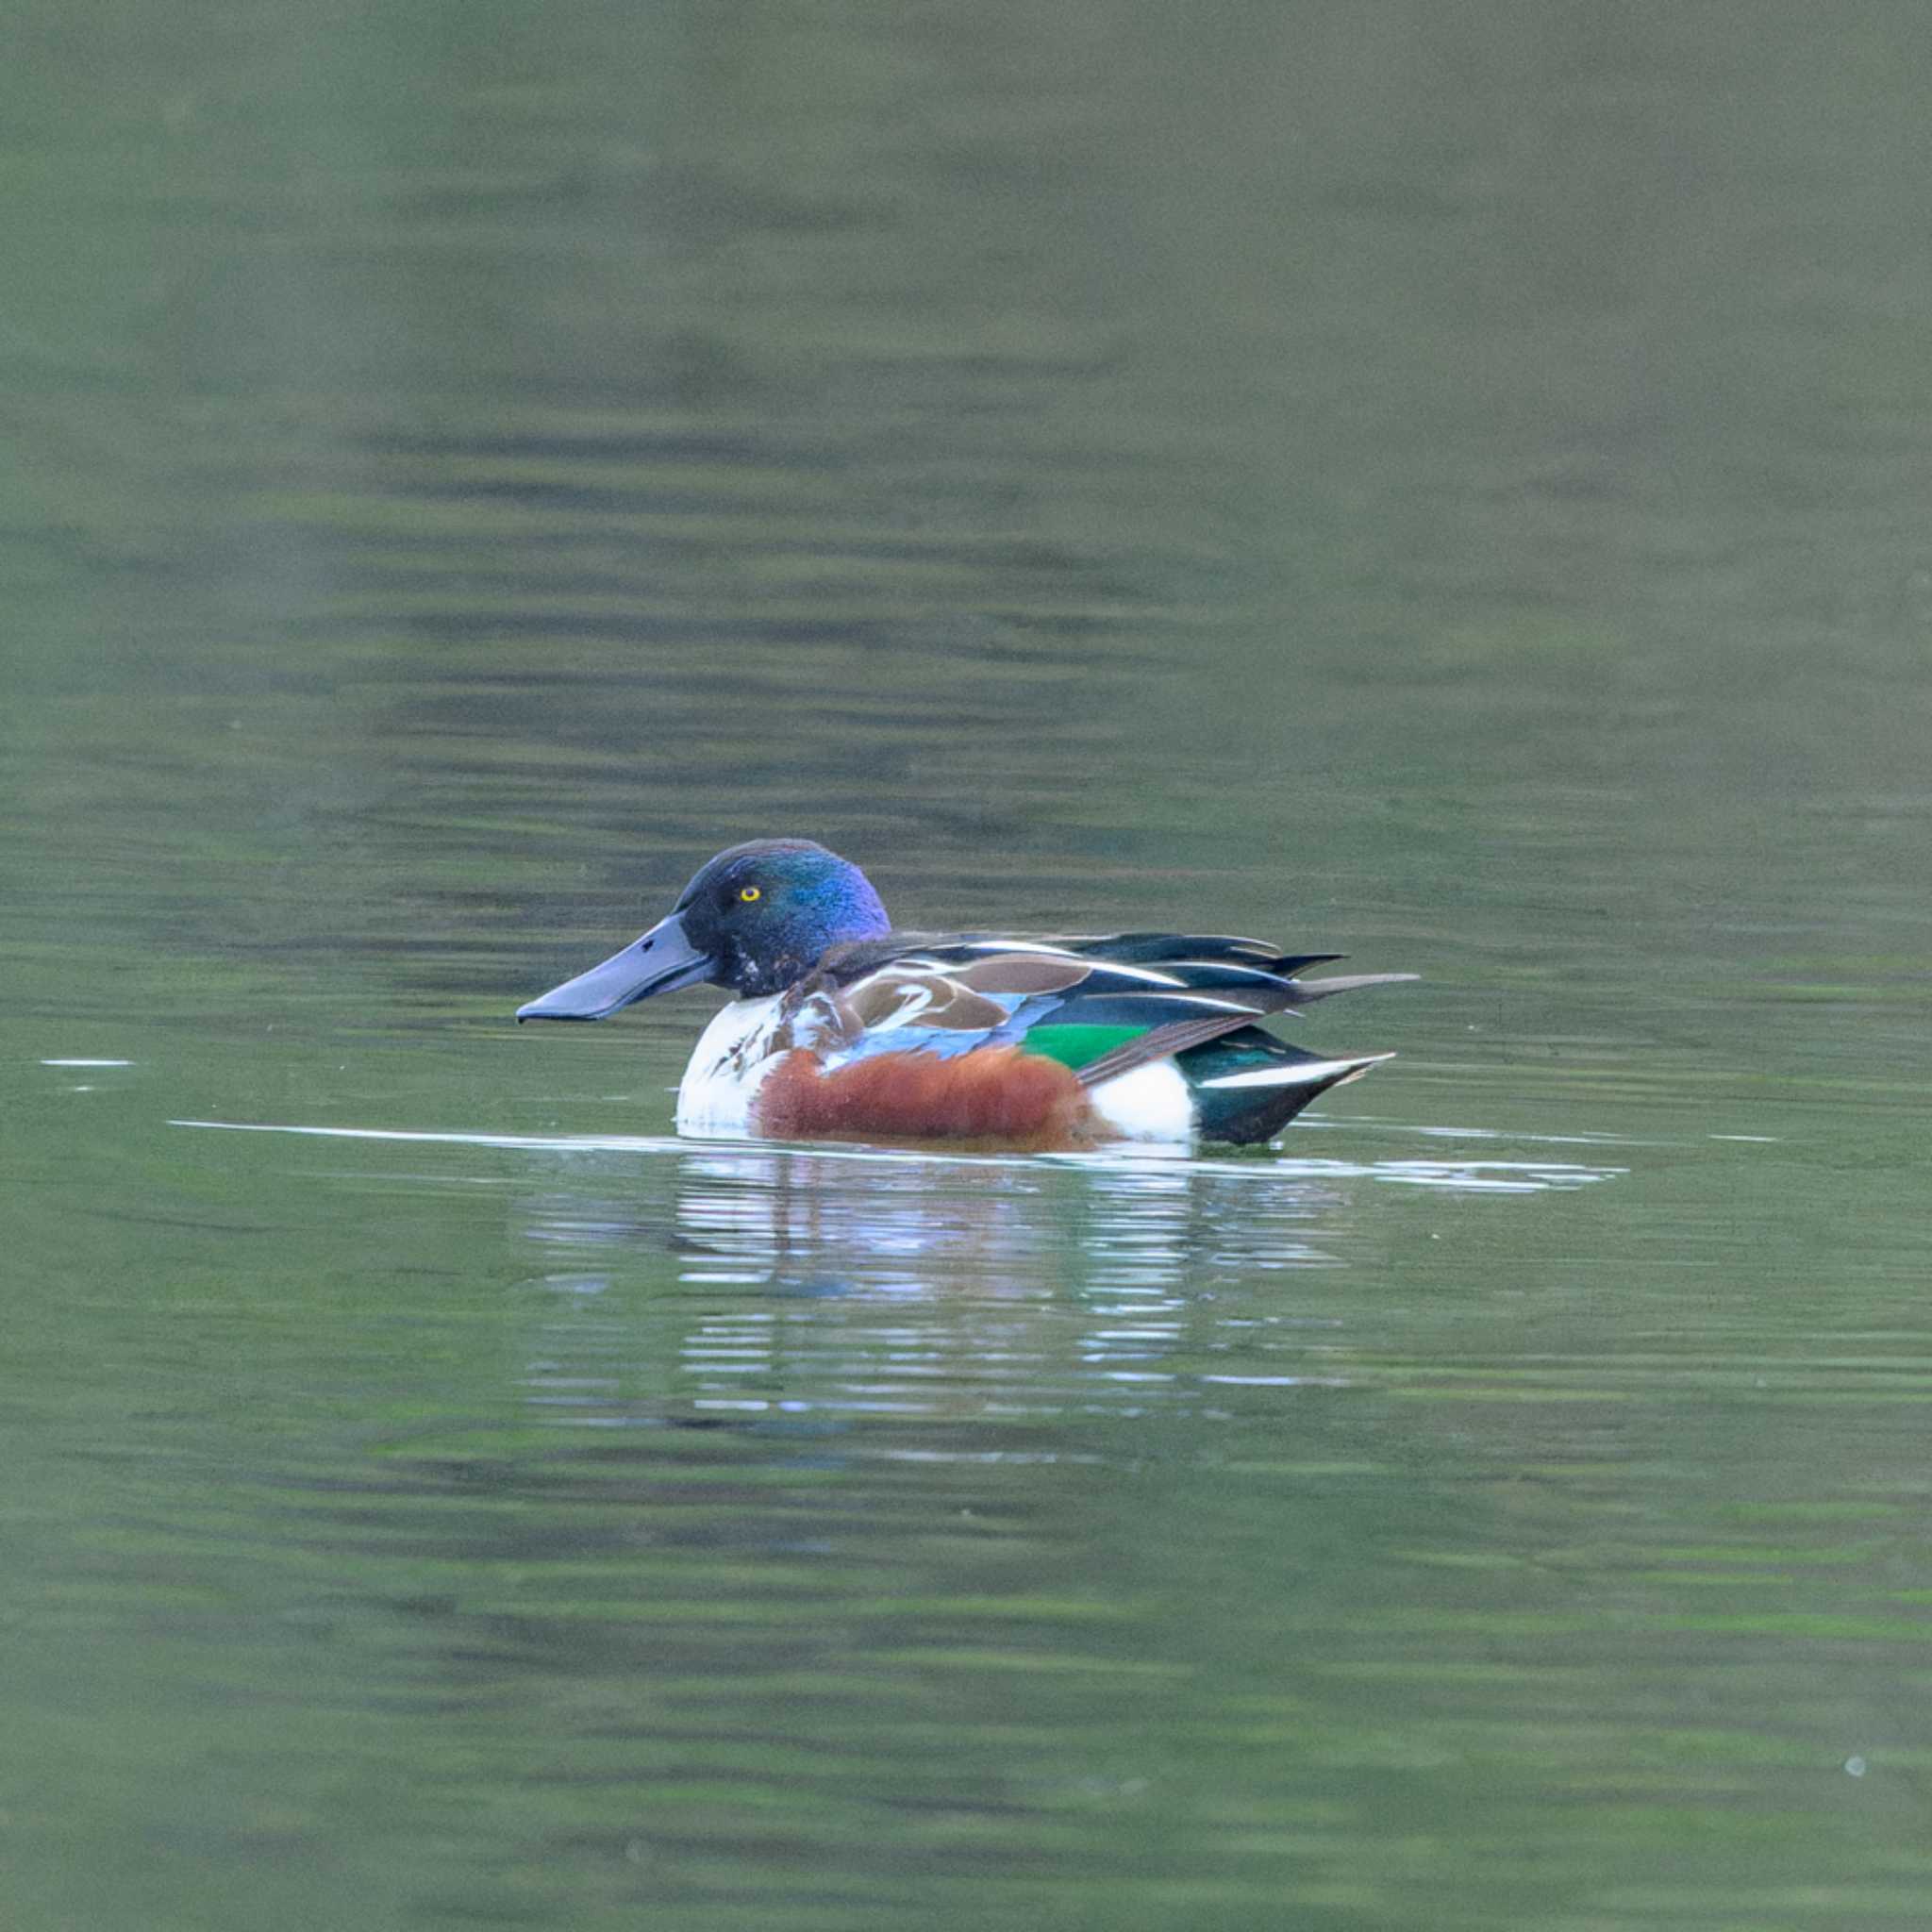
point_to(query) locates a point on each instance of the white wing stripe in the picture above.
(1303, 1073)
(1146, 973)
(1018, 947)
(1210, 1003)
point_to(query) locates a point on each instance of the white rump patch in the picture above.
(1150, 1103)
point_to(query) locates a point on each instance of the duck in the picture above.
(842, 1028)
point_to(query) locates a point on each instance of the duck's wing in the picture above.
(1150, 949)
(1101, 1007)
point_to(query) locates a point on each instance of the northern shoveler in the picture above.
(846, 1030)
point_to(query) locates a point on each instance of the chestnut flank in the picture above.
(997, 1093)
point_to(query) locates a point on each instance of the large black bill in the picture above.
(662, 960)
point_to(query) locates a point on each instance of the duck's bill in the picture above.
(660, 961)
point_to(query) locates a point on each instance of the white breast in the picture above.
(727, 1067)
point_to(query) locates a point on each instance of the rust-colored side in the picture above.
(997, 1093)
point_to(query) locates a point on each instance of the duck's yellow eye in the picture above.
(748, 893)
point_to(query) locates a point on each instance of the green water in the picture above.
(1445, 483)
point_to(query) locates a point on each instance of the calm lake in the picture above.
(1450, 484)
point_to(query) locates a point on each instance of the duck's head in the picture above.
(757, 919)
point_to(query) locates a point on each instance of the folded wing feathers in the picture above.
(1158, 1043)
(1308, 990)
(1184, 989)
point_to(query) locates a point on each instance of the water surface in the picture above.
(1446, 484)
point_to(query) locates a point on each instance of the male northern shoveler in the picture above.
(846, 1030)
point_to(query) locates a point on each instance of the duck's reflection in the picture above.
(762, 1282)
